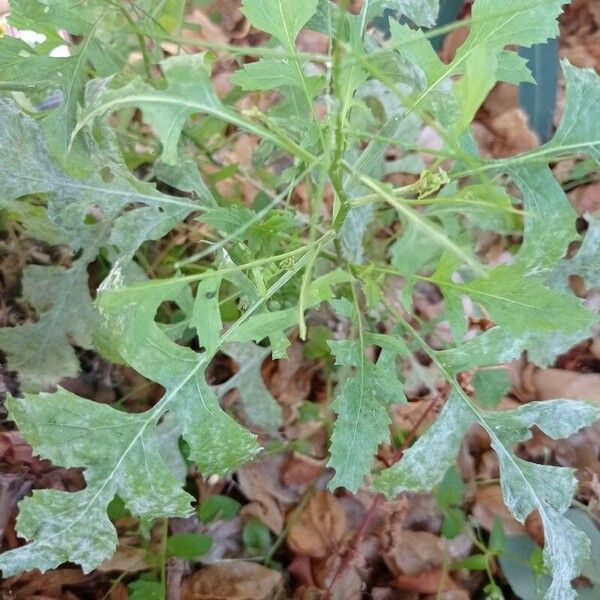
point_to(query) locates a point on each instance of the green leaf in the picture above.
(497, 346)
(490, 386)
(578, 131)
(283, 19)
(450, 491)
(525, 486)
(256, 535)
(477, 82)
(165, 110)
(497, 543)
(217, 442)
(362, 407)
(518, 302)
(424, 464)
(72, 432)
(258, 403)
(582, 521)
(206, 315)
(145, 590)
(518, 22)
(218, 507)
(42, 351)
(420, 12)
(362, 424)
(453, 304)
(266, 324)
(453, 523)
(476, 562)
(524, 581)
(23, 68)
(513, 68)
(549, 218)
(270, 74)
(188, 545)
(412, 44)
(189, 91)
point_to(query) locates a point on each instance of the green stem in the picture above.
(227, 270)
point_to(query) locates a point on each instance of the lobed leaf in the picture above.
(526, 486)
(283, 19)
(42, 351)
(120, 455)
(361, 406)
(257, 401)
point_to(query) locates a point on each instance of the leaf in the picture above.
(515, 563)
(72, 432)
(582, 521)
(168, 433)
(578, 131)
(497, 346)
(412, 44)
(420, 12)
(362, 413)
(187, 79)
(425, 226)
(549, 218)
(258, 403)
(256, 535)
(473, 88)
(217, 442)
(229, 220)
(518, 302)
(168, 110)
(525, 486)
(22, 68)
(586, 263)
(453, 303)
(206, 315)
(218, 507)
(42, 351)
(362, 424)
(490, 387)
(518, 22)
(493, 27)
(424, 464)
(188, 545)
(267, 74)
(450, 491)
(141, 589)
(283, 19)
(514, 69)
(268, 324)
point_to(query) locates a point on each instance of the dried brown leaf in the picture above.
(320, 528)
(234, 580)
(411, 552)
(490, 505)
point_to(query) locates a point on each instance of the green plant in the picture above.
(268, 267)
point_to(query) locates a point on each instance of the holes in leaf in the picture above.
(107, 175)
(221, 368)
(169, 313)
(174, 323)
